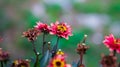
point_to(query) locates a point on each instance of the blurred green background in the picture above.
(96, 18)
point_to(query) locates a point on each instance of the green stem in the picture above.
(57, 42)
(55, 47)
(43, 46)
(37, 61)
(114, 53)
(1, 64)
(81, 58)
(37, 55)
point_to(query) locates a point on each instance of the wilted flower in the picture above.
(81, 48)
(81, 65)
(31, 34)
(61, 29)
(108, 61)
(112, 43)
(42, 27)
(4, 56)
(21, 63)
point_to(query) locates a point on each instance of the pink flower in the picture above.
(4, 55)
(61, 29)
(112, 43)
(58, 60)
(42, 27)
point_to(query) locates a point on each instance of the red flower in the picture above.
(43, 27)
(61, 29)
(20, 63)
(112, 43)
(58, 60)
(4, 55)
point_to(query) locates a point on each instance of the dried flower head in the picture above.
(108, 61)
(119, 65)
(42, 27)
(81, 65)
(4, 56)
(21, 63)
(31, 34)
(112, 43)
(61, 29)
(81, 48)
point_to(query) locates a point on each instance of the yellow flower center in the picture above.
(23, 66)
(117, 41)
(61, 28)
(15, 62)
(58, 63)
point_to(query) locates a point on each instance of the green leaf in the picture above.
(45, 59)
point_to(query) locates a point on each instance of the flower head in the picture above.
(81, 48)
(31, 34)
(21, 63)
(112, 43)
(42, 27)
(61, 29)
(4, 56)
(108, 61)
(58, 60)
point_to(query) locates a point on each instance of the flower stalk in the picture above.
(114, 53)
(37, 55)
(81, 49)
(44, 42)
(55, 48)
(57, 42)
(1, 64)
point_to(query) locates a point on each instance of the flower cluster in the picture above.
(52, 57)
(61, 30)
